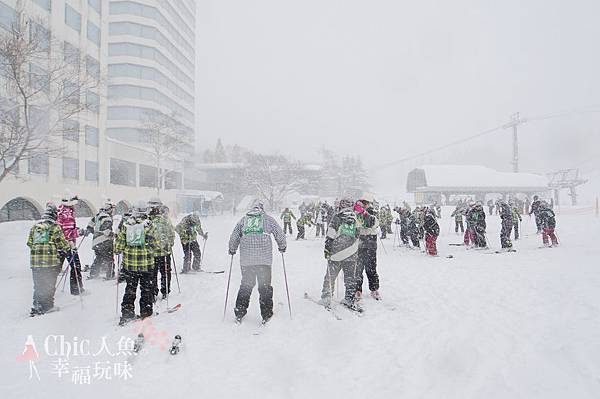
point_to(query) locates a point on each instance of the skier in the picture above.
(341, 252)
(506, 214)
(517, 219)
(121, 226)
(101, 228)
(438, 210)
(385, 219)
(548, 224)
(469, 238)
(414, 228)
(490, 205)
(457, 214)
(137, 242)
(48, 247)
(479, 225)
(287, 215)
(535, 207)
(165, 238)
(304, 220)
(432, 230)
(66, 221)
(403, 216)
(321, 219)
(188, 229)
(368, 224)
(252, 234)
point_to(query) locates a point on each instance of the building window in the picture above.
(38, 165)
(71, 93)
(91, 171)
(71, 130)
(40, 81)
(91, 136)
(45, 4)
(92, 67)
(92, 100)
(148, 176)
(39, 35)
(8, 17)
(72, 18)
(122, 172)
(93, 33)
(173, 180)
(71, 168)
(71, 54)
(96, 5)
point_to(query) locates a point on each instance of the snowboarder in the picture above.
(506, 214)
(341, 252)
(368, 224)
(252, 234)
(101, 228)
(48, 247)
(188, 229)
(165, 238)
(457, 214)
(432, 230)
(287, 215)
(137, 243)
(304, 220)
(548, 224)
(66, 221)
(535, 210)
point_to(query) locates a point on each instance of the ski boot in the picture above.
(375, 295)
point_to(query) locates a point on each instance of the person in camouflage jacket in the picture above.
(137, 242)
(188, 229)
(47, 244)
(300, 223)
(165, 236)
(287, 215)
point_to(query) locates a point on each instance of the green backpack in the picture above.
(348, 228)
(41, 234)
(254, 225)
(136, 235)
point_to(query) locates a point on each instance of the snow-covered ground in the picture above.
(481, 325)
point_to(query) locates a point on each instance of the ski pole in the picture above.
(227, 291)
(67, 271)
(202, 254)
(176, 275)
(382, 246)
(287, 290)
(118, 277)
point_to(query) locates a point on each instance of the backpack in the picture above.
(254, 225)
(41, 234)
(136, 235)
(348, 227)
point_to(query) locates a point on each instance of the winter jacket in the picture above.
(45, 240)
(188, 229)
(303, 221)
(164, 234)
(252, 234)
(368, 229)
(506, 214)
(341, 242)
(66, 221)
(287, 216)
(535, 207)
(516, 214)
(430, 224)
(547, 218)
(100, 226)
(458, 214)
(137, 258)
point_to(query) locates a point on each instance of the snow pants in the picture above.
(250, 275)
(44, 285)
(480, 240)
(320, 229)
(548, 232)
(516, 230)
(430, 244)
(404, 234)
(414, 238)
(301, 232)
(538, 223)
(367, 263)
(286, 226)
(469, 238)
(505, 234)
(191, 249)
(133, 279)
(104, 260)
(162, 264)
(457, 224)
(349, 266)
(74, 265)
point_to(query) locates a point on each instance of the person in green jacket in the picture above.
(137, 242)
(188, 230)
(165, 237)
(287, 215)
(300, 223)
(47, 244)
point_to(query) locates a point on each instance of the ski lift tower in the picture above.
(514, 123)
(566, 178)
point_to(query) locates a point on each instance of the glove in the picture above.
(81, 232)
(327, 253)
(282, 250)
(358, 208)
(231, 252)
(62, 253)
(205, 236)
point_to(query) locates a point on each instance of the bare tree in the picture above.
(168, 139)
(41, 89)
(273, 177)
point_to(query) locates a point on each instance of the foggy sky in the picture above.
(389, 79)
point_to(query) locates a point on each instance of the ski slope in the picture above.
(480, 325)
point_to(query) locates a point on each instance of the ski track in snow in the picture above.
(518, 325)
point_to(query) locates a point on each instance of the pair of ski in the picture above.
(333, 309)
(203, 271)
(139, 342)
(171, 309)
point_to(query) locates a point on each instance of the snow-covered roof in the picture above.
(442, 178)
(207, 195)
(220, 165)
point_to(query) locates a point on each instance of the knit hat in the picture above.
(50, 213)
